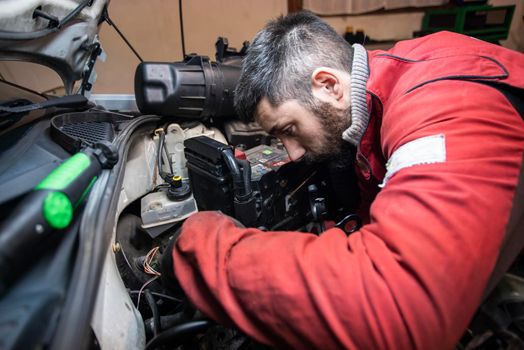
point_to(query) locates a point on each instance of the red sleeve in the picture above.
(411, 279)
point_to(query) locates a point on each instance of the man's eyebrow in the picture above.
(275, 128)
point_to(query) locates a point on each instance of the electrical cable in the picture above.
(160, 295)
(150, 256)
(154, 310)
(168, 160)
(163, 147)
(159, 132)
(5, 35)
(246, 175)
(142, 289)
(68, 101)
(53, 20)
(167, 321)
(281, 223)
(8, 119)
(161, 139)
(24, 88)
(182, 28)
(158, 187)
(125, 258)
(176, 335)
(292, 193)
(112, 24)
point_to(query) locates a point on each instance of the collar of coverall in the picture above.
(359, 108)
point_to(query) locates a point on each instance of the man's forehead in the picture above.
(263, 107)
(273, 118)
(265, 113)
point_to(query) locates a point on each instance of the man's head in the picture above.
(295, 81)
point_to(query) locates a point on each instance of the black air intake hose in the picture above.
(239, 188)
(246, 175)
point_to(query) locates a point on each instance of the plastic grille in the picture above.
(90, 132)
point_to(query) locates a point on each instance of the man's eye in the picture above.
(289, 131)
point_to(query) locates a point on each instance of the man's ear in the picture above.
(328, 85)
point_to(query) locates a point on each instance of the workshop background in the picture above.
(153, 29)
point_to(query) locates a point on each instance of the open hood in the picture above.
(60, 34)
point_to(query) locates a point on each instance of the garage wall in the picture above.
(400, 26)
(152, 26)
(515, 39)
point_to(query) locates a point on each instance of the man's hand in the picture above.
(210, 219)
(167, 276)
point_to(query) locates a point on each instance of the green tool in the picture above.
(49, 208)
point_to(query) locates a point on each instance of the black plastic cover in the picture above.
(246, 135)
(210, 178)
(196, 89)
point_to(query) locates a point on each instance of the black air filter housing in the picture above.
(195, 89)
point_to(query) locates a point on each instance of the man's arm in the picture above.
(410, 279)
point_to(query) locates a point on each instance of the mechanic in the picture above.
(440, 136)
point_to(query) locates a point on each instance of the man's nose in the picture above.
(294, 149)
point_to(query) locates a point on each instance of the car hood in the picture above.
(60, 34)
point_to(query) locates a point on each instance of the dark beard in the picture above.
(334, 121)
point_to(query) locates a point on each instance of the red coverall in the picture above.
(413, 276)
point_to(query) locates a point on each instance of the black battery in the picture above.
(279, 185)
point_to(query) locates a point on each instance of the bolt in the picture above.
(116, 247)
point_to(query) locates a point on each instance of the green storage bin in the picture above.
(489, 23)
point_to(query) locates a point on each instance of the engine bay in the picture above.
(190, 167)
(176, 169)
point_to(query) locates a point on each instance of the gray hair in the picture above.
(282, 57)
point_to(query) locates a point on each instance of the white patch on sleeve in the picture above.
(425, 150)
